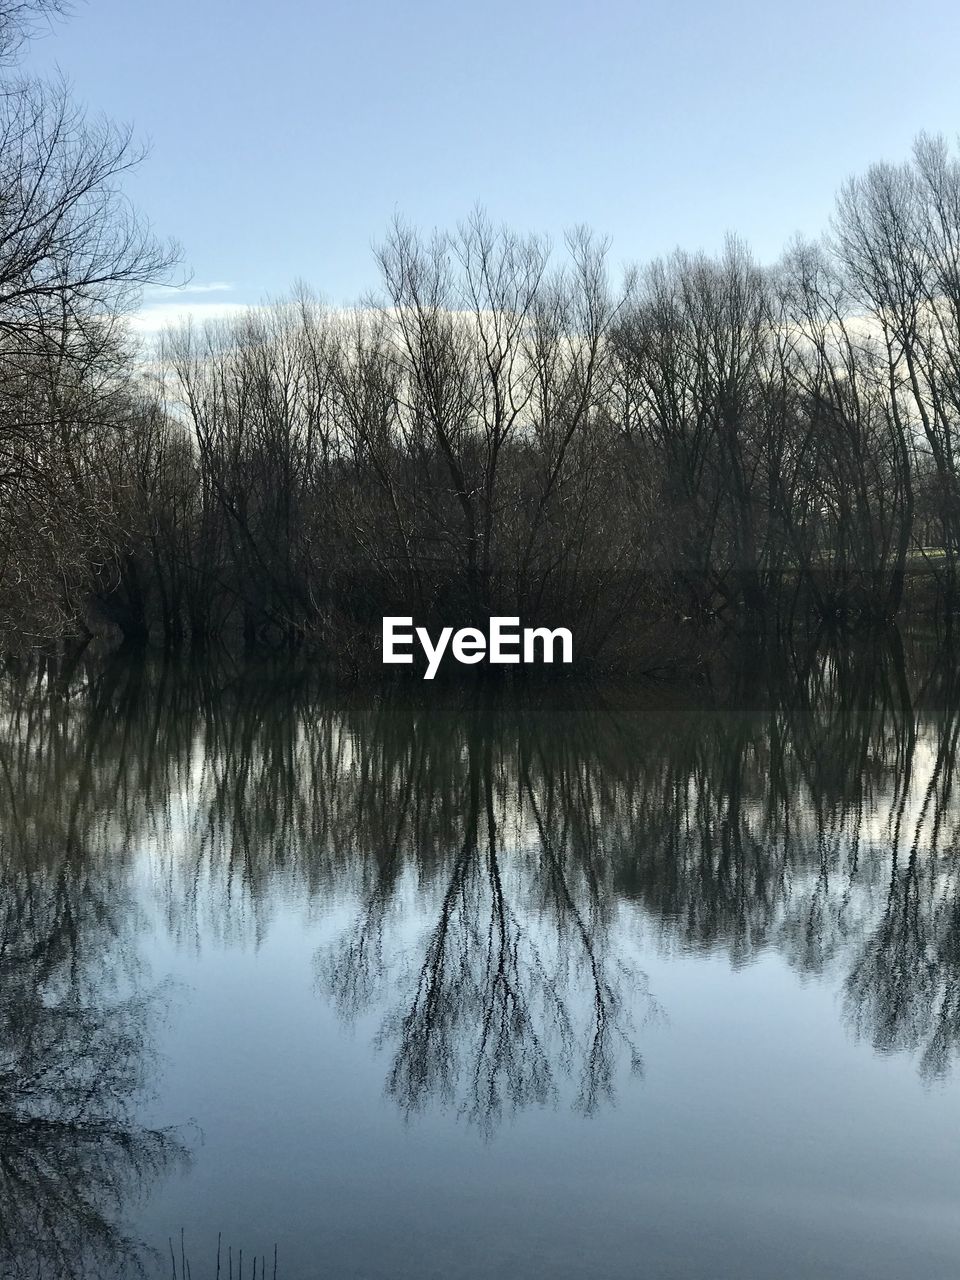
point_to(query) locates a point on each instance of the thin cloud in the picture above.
(157, 316)
(213, 286)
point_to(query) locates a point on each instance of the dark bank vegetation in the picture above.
(497, 430)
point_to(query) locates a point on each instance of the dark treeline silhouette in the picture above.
(73, 257)
(497, 430)
(495, 858)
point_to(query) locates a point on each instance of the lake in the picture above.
(495, 979)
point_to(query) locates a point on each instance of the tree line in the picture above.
(497, 429)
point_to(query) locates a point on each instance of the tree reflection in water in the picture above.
(74, 1022)
(519, 976)
(503, 854)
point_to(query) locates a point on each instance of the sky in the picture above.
(284, 137)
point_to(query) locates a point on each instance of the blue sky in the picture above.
(284, 136)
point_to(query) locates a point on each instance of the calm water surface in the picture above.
(481, 983)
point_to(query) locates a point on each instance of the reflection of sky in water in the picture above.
(536, 990)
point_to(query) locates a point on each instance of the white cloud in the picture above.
(213, 286)
(159, 315)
